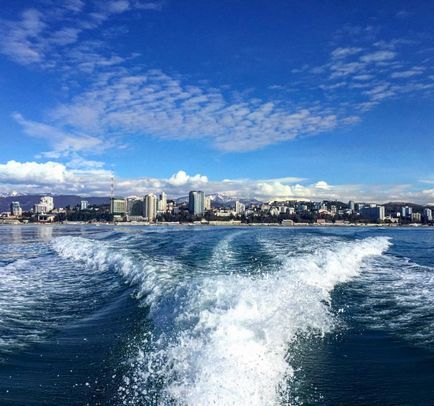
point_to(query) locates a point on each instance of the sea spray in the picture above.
(234, 332)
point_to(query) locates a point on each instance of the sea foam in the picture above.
(234, 332)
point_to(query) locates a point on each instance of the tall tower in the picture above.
(150, 207)
(112, 187)
(196, 203)
(162, 202)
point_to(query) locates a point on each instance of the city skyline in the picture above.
(202, 209)
(325, 102)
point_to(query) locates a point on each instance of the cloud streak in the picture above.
(36, 38)
(62, 142)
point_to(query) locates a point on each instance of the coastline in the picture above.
(220, 224)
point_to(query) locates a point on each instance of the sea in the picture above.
(197, 315)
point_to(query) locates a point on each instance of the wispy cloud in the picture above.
(63, 143)
(154, 103)
(38, 38)
(118, 98)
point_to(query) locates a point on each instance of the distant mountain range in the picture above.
(220, 200)
(27, 201)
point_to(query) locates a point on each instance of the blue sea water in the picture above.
(216, 316)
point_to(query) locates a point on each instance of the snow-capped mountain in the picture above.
(13, 193)
(220, 200)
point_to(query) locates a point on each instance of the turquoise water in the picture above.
(216, 316)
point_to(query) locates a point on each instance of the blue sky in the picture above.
(282, 99)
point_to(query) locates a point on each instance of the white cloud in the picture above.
(340, 53)
(416, 71)
(118, 6)
(54, 177)
(181, 178)
(378, 56)
(63, 143)
(154, 103)
(322, 185)
(48, 173)
(33, 38)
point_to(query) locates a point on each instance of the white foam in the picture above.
(235, 331)
(143, 272)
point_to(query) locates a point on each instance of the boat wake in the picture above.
(230, 335)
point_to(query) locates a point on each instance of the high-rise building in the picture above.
(48, 201)
(196, 203)
(118, 206)
(84, 205)
(150, 207)
(162, 202)
(44, 206)
(406, 211)
(427, 214)
(372, 212)
(135, 206)
(240, 208)
(351, 205)
(207, 203)
(16, 209)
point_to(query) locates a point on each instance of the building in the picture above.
(84, 204)
(406, 211)
(207, 202)
(196, 203)
(118, 206)
(427, 214)
(351, 205)
(162, 202)
(359, 206)
(274, 211)
(150, 207)
(16, 209)
(44, 206)
(265, 207)
(373, 213)
(135, 207)
(39, 208)
(416, 217)
(48, 201)
(240, 208)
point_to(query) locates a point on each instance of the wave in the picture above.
(234, 332)
(398, 295)
(153, 278)
(39, 294)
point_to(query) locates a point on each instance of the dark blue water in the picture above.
(224, 316)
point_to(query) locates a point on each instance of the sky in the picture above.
(269, 100)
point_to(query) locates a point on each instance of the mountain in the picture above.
(11, 194)
(27, 201)
(221, 200)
